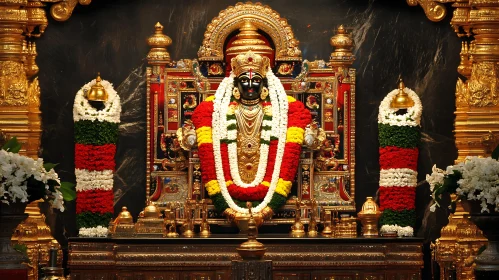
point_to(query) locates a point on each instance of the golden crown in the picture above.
(250, 61)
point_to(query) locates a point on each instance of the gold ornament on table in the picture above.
(297, 229)
(204, 228)
(97, 91)
(150, 222)
(251, 249)
(402, 99)
(346, 227)
(188, 226)
(170, 221)
(312, 225)
(123, 225)
(328, 229)
(369, 216)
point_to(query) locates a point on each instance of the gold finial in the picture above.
(251, 249)
(124, 217)
(158, 55)
(369, 216)
(343, 45)
(250, 61)
(248, 39)
(402, 100)
(97, 92)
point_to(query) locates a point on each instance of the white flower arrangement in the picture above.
(98, 231)
(82, 110)
(387, 114)
(279, 103)
(401, 231)
(398, 177)
(93, 180)
(474, 179)
(15, 170)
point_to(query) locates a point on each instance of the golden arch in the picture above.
(261, 16)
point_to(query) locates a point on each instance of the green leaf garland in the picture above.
(399, 136)
(95, 132)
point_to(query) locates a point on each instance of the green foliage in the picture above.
(399, 136)
(68, 191)
(402, 218)
(21, 248)
(219, 202)
(277, 202)
(90, 220)
(449, 186)
(12, 145)
(95, 132)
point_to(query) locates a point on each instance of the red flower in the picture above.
(247, 194)
(395, 157)
(95, 157)
(397, 198)
(298, 115)
(95, 201)
(207, 160)
(288, 167)
(203, 114)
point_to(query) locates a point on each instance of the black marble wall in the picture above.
(392, 40)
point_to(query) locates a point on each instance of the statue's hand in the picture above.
(313, 136)
(187, 136)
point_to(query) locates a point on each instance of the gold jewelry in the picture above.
(250, 61)
(250, 102)
(265, 93)
(236, 93)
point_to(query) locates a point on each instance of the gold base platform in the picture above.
(210, 258)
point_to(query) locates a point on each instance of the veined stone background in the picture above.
(392, 40)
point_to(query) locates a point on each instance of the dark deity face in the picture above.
(250, 85)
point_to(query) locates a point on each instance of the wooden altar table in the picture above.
(210, 258)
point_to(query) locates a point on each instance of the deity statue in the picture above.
(249, 137)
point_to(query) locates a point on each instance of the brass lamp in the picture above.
(402, 99)
(251, 249)
(369, 216)
(97, 92)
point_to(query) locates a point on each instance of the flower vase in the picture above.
(487, 263)
(11, 215)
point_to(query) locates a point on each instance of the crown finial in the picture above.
(402, 100)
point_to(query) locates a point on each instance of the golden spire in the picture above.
(158, 42)
(248, 39)
(343, 45)
(97, 92)
(402, 100)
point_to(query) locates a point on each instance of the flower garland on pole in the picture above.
(96, 134)
(282, 134)
(399, 137)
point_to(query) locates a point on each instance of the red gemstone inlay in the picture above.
(249, 145)
(250, 59)
(248, 166)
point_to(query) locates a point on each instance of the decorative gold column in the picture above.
(477, 115)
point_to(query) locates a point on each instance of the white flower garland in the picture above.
(98, 231)
(16, 169)
(387, 114)
(93, 180)
(82, 110)
(279, 101)
(398, 177)
(401, 231)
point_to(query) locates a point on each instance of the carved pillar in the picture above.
(477, 96)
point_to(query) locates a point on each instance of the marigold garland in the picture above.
(399, 136)
(204, 120)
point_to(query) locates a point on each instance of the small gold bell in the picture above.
(401, 100)
(97, 92)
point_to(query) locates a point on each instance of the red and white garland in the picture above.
(399, 137)
(94, 160)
